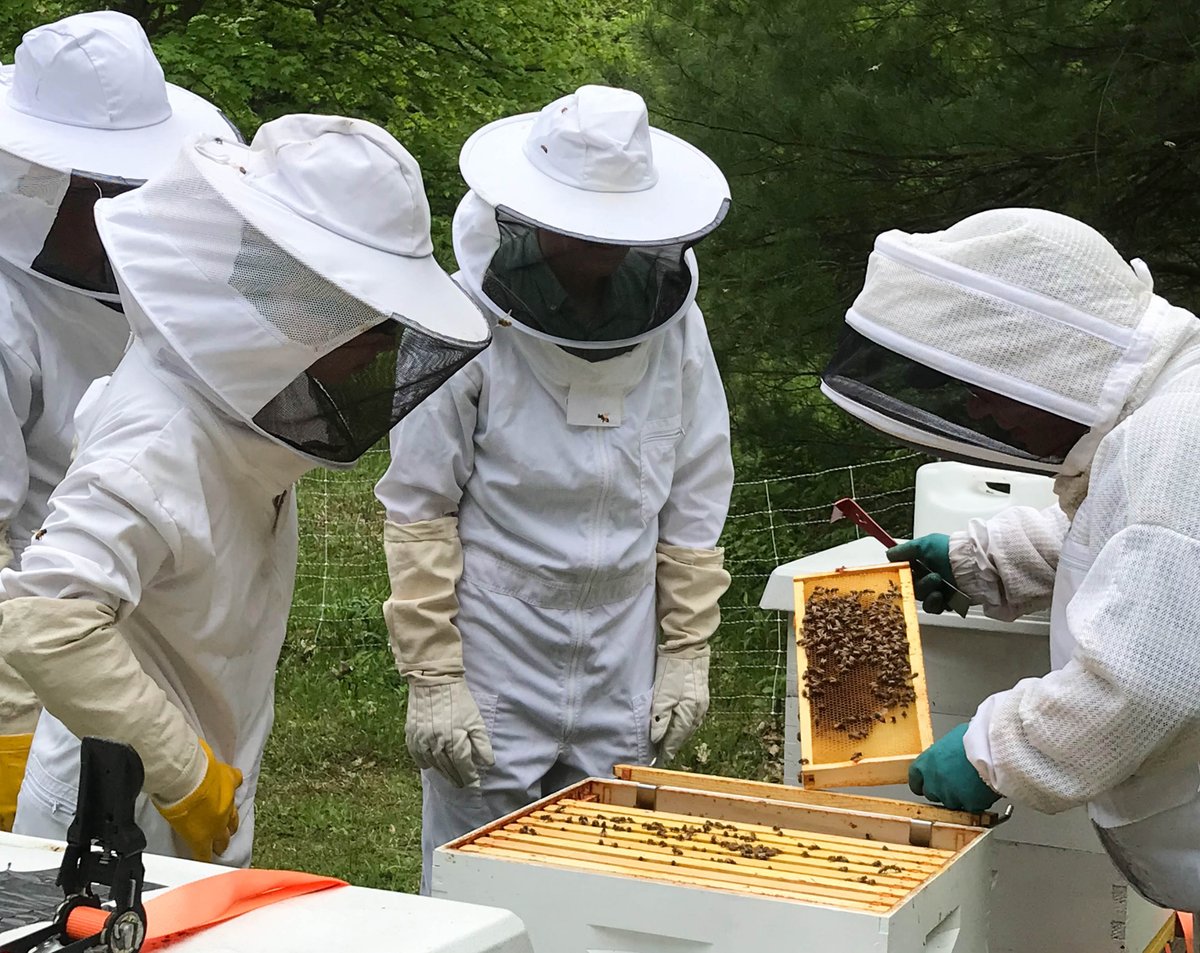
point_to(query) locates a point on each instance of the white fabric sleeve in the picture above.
(106, 537)
(17, 381)
(1007, 564)
(433, 452)
(1125, 701)
(19, 706)
(694, 513)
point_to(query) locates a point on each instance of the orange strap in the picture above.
(1186, 922)
(205, 903)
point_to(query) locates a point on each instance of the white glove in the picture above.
(680, 699)
(444, 729)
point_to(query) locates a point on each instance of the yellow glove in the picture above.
(207, 818)
(14, 752)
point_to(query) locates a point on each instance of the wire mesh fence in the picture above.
(342, 582)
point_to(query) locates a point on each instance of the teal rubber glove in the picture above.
(933, 552)
(943, 774)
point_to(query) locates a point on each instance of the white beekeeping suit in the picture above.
(1020, 336)
(558, 504)
(286, 311)
(84, 112)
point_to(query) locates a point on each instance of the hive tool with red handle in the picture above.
(847, 508)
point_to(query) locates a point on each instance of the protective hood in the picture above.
(255, 264)
(84, 113)
(581, 219)
(1017, 337)
(501, 266)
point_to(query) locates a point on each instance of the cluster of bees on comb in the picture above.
(856, 640)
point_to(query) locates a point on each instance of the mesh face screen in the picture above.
(338, 412)
(577, 291)
(943, 406)
(72, 252)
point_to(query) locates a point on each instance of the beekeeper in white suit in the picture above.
(84, 113)
(1021, 337)
(557, 505)
(286, 311)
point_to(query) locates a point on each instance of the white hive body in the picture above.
(685, 863)
(343, 918)
(1055, 888)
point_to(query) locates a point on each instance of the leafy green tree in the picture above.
(431, 72)
(838, 119)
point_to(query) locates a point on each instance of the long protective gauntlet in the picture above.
(444, 729)
(690, 583)
(86, 675)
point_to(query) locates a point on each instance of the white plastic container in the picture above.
(344, 918)
(949, 494)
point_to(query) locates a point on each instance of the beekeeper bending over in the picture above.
(553, 512)
(1020, 337)
(286, 312)
(84, 113)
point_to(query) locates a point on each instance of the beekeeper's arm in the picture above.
(691, 576)
(1007, 563)
(1126, 702)
(432, 458)
(106, 538)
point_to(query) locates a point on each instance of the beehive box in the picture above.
(666, 862)
(833, 752)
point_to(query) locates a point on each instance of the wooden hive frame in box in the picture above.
(830, 757)
(667, 862)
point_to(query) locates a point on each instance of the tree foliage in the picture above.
(839, 119)
(431, 71)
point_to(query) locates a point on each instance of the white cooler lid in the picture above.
(346, 918)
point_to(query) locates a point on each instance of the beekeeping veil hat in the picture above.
(1017, 336)
(84, 113)
(629, 199)
(249, 263)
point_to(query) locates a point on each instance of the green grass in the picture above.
(339, 793)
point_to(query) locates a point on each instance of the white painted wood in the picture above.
(578, 912)
(345, 918)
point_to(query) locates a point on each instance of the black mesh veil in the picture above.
(340, 419)
(638, 288)
(72, 252)
(949, 410)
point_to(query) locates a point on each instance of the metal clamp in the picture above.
(646, 797)
(104, 848)
(920, 833)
